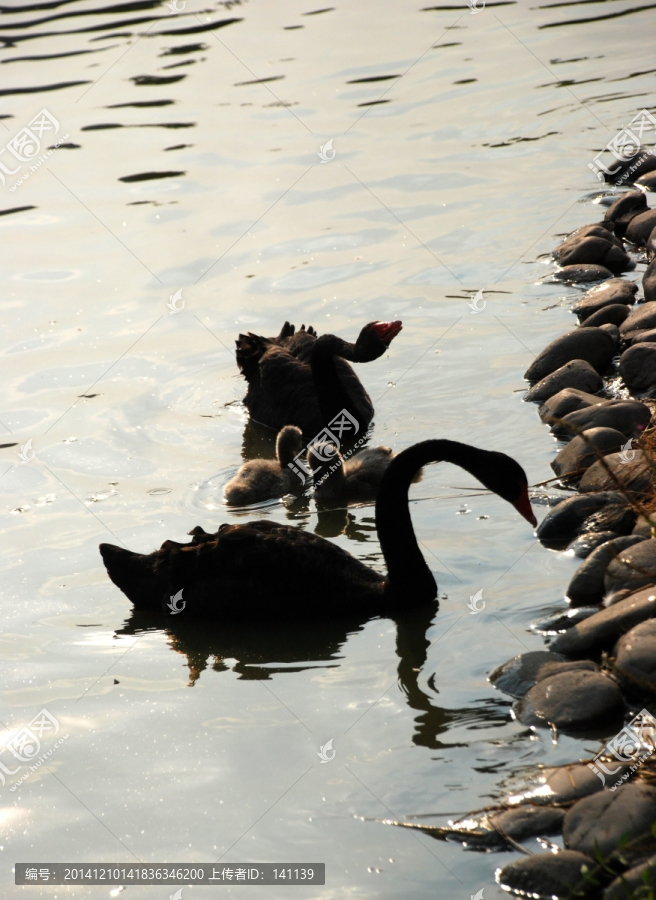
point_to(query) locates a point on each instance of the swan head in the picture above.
(505, 477)
(375, 338)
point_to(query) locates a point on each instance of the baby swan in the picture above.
(264, 479)
(354, 478)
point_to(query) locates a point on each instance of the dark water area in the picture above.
(456, 145)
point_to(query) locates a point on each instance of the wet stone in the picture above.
(642, 318)
(566, 401)
(644, 337)
(633, 568)
(627, 416)
(634, 475)
(575, 374)
(648, 181)
(571, 701)
(587, 584)
(632, 200)
(589, 541)
(616, 517)
(560, 622)
(601, 631)
(649, 282)
(638, 367)
(617, 290)
(582, 273)
(595, 229)
(642, 527)
(562, 524)
(585, 449)
(593, 249)
(590, 344)
(614, 314)
(529, 821)
(635, 662)
(623, 886)
(518, 675)
(544, 875)
(602, 819)
(639, 228)
(613, 331)
(562, 784)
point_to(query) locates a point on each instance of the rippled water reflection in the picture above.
(192, 164)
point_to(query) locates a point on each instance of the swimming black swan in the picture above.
(281, 389)
(262, 479)
(266, 570)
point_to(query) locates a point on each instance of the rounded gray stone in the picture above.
(588, 541)
(563, 523)
(566, 401)
(623, 886)
(587, 584)
(644, 337)
(638, 367)
(518, 675)
(634, 475)
(596, 250)
(617, 290)
(632, 568)
(642, 318)
(585, 449)
(545, 874)
(575, 374)
(528, 821)
(627, 416)
(635, 661)
(596, 229)
(648, 181)
(649, 282)
(601, 631)
(641, 227)
(600, 821)
(582, 273)
(631, 200)
(572, 701)
(614, 314)
(590, 344)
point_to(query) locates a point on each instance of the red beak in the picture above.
(523, 507)
(387, 331)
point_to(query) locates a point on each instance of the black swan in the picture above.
(263, 479)
(279, 371)
(266, 570)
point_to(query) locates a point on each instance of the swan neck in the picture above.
(410, 581)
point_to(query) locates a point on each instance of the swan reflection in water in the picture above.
(266, 649)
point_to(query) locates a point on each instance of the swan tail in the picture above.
(135, 574)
